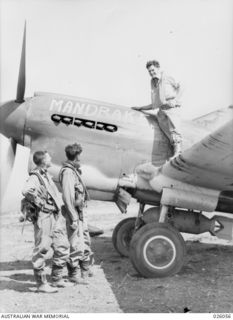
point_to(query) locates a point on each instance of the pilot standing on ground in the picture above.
(164, 93)
(44, 200)
(75, 196)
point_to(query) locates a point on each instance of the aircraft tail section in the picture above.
(213, 120)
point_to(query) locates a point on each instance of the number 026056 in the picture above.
(222, 315)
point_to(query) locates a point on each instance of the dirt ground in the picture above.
(203, 285)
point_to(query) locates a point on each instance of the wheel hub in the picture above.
(159, 252)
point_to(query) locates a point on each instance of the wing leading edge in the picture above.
(208, 163)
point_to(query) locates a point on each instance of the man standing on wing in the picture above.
(75, 196)
(164, 93)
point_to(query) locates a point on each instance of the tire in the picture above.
(122, 235)
(157, 250)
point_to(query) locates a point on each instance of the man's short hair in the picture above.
(73, 150)
(38, 157)
(152, 63)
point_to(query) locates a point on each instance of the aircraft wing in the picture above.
(201, 178)
(208, 163)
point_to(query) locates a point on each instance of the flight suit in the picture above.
(49, 227)
(164, 96)
(75, 196)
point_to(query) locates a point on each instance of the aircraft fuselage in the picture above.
(115, 139)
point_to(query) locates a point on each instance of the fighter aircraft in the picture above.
(125, 154)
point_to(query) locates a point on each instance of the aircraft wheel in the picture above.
(122, 235)
(157, 250)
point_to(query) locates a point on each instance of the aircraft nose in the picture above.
(12, 120)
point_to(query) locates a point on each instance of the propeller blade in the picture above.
(22, 71)
(7, 163)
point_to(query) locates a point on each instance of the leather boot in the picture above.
(74, 275)
(85, 270)
(57, 280)
(84, 276)
(91, 263)
(176, 149)
(42, 284)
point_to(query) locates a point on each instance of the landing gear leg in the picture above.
(124, 230)
(163, 213)
(139, 221)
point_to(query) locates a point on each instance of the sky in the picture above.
(98, 49)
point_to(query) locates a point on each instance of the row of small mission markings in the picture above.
(79, 122)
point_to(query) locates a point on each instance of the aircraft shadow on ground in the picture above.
(16, 285)
(202, 282)
(15, 265)
(206, 272)
(13, 279)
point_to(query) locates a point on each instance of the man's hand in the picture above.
(166, 106)
(74, 225)
(49, 207)
(136, 108)
(79, 203)
(42, 192)
(170, 105)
